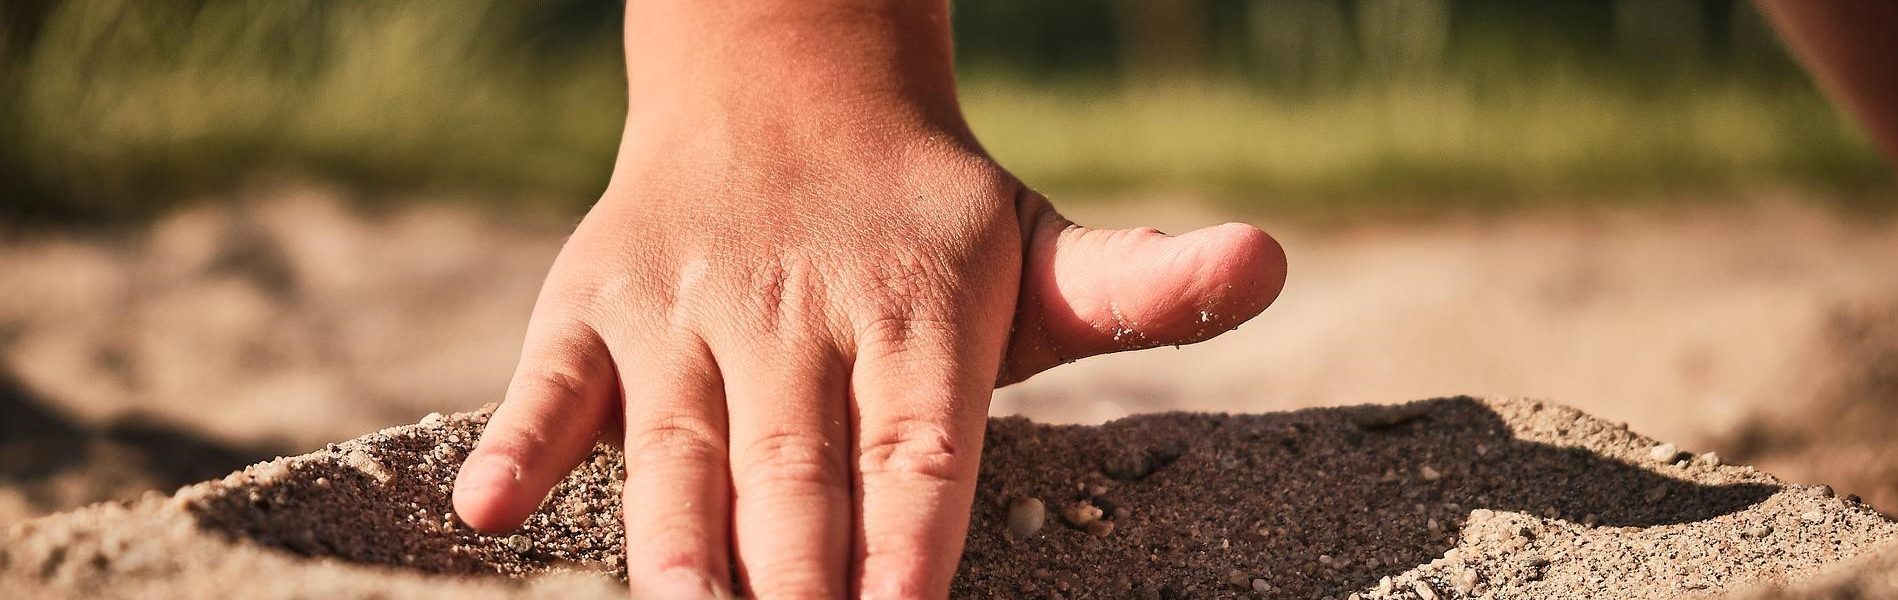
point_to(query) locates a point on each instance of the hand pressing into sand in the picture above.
(796, 296)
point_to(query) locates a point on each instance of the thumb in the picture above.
(1093, 291)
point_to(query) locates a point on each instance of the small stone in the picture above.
(1424, 590)
(1096, 490)
(1026, 515)
(1239, 579)
(1757, 531)
(368, 465)
(1385, 417)
(1656, 493)
(1591, 520)
(1128, 466)
(518, 543)
(1465, 581)
(433, 418)
(1664, 453)
(1122, 513)
(1100, 529)
(1080, 514)
(1429, 473)
(1813, 516)
(1261, 585)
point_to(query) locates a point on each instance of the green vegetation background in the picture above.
(116, 109)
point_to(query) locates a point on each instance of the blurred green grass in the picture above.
(1383, 147)
(120, 109)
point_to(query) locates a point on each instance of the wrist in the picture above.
(838, 65)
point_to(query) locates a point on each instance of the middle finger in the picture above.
(790, 473)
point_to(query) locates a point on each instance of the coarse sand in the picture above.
(1447, 498)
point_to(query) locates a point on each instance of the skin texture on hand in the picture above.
(793, 301)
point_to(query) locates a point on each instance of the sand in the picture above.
(1447, 498)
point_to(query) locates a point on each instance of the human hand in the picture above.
(792, 304)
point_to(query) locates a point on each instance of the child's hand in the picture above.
(796, 299)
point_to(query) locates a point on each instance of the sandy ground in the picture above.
(1450, 498)
(223, 335)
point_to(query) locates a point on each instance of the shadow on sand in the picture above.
(1320, 502)
(58, 463)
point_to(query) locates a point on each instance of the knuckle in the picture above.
(767, 289)
(911, 449)
(604, 289)
(560, 382)
(679, 440)
(795, 460)
(889, 335)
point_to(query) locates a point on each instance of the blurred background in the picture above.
(232, 229)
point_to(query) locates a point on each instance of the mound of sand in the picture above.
(1450, 498)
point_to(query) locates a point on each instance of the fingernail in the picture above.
(678, 584)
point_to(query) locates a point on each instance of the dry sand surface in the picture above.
(1449, 498)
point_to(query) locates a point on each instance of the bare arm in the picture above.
(1851, 46)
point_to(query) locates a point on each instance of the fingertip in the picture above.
(1248, 260)
(1210, 280)
(486, 493)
